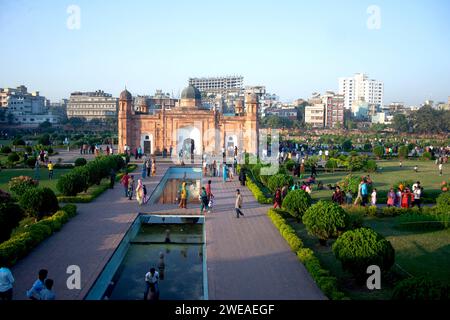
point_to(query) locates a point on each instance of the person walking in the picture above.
(440, 169)
(183, 196)
(284, 191)
(338, 196)
(153, 167)
(224, 172)
(203, 200)
(277, 199)
(208, 189)
(112, 178)
(38, 285)
(398, 198)
(242, 176)
(417, 194)
(238, 203)
(124, 182)
(6, 281)
(50, 170)
(143, 171)
(364, 192)
(391, 198)
(130, 187)
(139, 192)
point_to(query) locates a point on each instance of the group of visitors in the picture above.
(40, 290)
(404, 197)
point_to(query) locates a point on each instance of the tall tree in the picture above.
(400, 123)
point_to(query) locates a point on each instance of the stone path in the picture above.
(246, 257)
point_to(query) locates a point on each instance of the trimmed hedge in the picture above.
(257, 192)
(357, 249)
(21, 244)
(39, 202)
(420, 289)
(322, 277)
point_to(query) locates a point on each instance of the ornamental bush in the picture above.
(18, 185)
(74, 182)
(350, 183)
(357, 249)
(296, 203)
(443, 203)
(5, 149)
(31, 162)
(13, 157)
(290, 165)
(278, 181)
(427, 156)
(357, 163)
(80, 162)
(325, 220)
(378, 151)
(371, 166)
(18, 142)
(39, 202)
(420, 288)
(10, 215)
(403, 152)
(331, 164)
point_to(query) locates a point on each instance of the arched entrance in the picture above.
(189, 140)
(231, 141)
(147, 143)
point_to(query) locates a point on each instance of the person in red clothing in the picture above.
(277, 199)
(208, 190)
(124, 182)
(406, 196)
(338, 196)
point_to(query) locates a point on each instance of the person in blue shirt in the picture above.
(47, 293)
(364, 192)
(6, 282)
(38, 285)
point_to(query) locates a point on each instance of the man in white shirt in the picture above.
(6, 283)
(151, 282)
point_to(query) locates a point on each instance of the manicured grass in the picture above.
(7, 174)
(426, 254)
(389, 173)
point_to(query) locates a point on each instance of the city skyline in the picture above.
(293, 49)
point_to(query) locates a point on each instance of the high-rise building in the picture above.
(28, 108)
(315, 115)
(360, 87)
(334, 109)
(218, 85)
(92, 105)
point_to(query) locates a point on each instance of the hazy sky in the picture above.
(292, 47)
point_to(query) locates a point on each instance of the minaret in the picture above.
(238, 107)
(124, 119)
(251, 138)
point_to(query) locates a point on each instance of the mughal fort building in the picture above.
(188, 125)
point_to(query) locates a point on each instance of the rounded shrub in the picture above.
(427, 156)
(350, 183)
(378, 151)
(5, 149)
(10, 215)
(420, 288)
(443, 202)
(278, 181)
(31, 162)
(357, 163)
(74, 182)
(39, 202)
(13, 157)
(296, 203)
(371, 166)
(357, 249)
(290, 165)
(18, 185)
(331, 164)
(325, 220)
(403, 152)
(18, 142)
(80, 162)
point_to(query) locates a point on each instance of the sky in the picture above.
(293, 47)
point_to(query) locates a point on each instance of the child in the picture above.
(210, 203)
(416, 169)
(374, 197)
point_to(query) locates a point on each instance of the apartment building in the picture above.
(315, 115)
(360, 87)
(92, 105)
(218, 85)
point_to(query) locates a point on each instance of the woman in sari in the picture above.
(139, 192)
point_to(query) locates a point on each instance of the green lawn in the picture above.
(7, 174)
(426, 253)
(388, 174)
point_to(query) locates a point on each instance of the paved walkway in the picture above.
(246, 258)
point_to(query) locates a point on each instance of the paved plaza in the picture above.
(246, 258)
